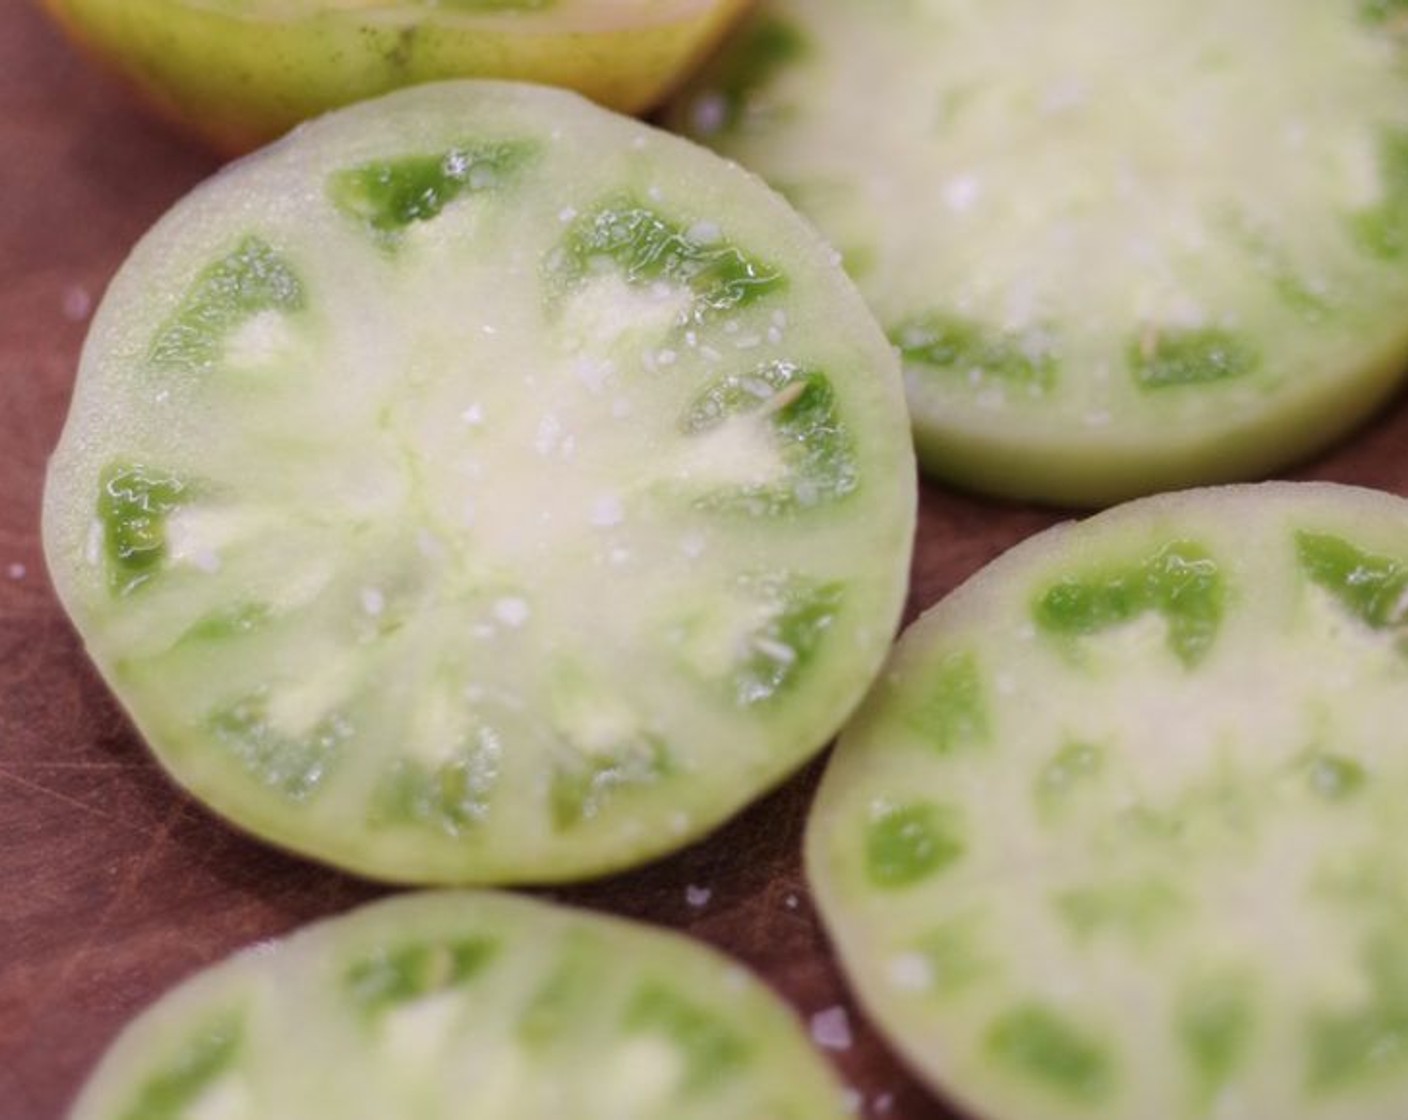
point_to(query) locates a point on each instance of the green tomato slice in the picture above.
(480, 486)
(451, 1004)
(1119, 833)
(241, 72)
(1122, 248)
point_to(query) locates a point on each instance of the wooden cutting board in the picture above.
(114, 885)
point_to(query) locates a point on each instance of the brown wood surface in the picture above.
(114, 885)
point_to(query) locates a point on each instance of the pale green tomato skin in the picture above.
(1122, 250)
(459, 1004)
(478, 486)
(237, 78)
(1118, 833)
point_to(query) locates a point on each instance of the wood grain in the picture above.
(113, 885)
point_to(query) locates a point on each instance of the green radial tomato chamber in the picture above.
(1122, 248)
(479, 486)
(1119, 832)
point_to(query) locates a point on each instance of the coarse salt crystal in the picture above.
(93, 546)
(77, 303)
(777, 651)
(593, 373)
(206, 561)
(708, 113)
(704, 232)
(831, 1029)
(697, 897)
(607, 510)
(548, 434)
(910, 971)
(511, 611)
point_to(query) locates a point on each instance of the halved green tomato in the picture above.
(1120, 835)
(1121, 247)
(481, 486)
(241, 72)
(446, 1005)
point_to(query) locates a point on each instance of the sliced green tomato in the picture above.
(483, 487)
(1141, 857)
(459, 1004)
(240, 72)
(1121, 248)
